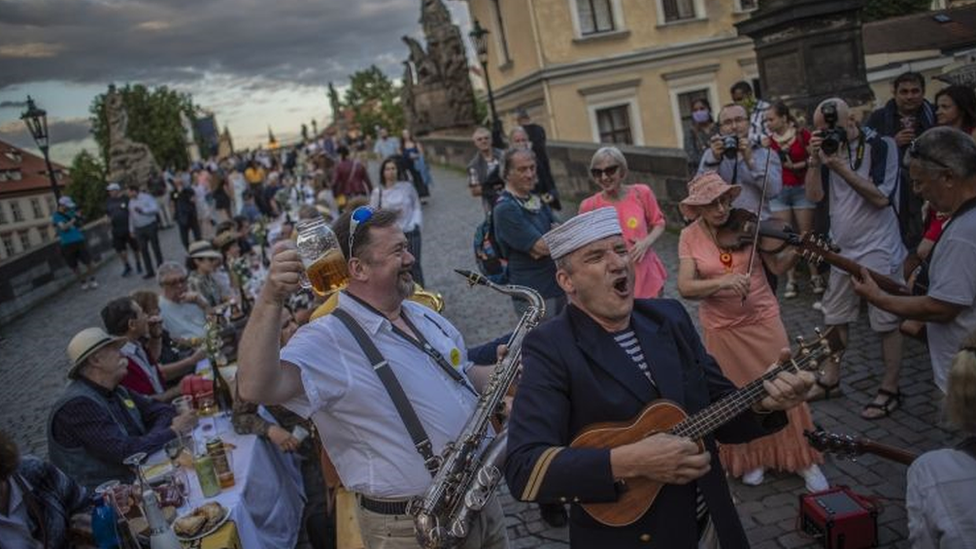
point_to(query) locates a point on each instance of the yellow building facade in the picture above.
(622, 71)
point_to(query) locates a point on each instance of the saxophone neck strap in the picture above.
(400, 401)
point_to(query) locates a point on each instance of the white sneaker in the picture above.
(818, 306)
(814, 478)
(754, 477)
(93, 285)
(84, 285)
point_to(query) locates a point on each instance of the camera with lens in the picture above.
(730, 146)
(833, 136)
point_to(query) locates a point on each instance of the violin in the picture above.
(739, 230)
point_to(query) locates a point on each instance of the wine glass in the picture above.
(135, 462)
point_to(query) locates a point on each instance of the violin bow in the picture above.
(755, 234)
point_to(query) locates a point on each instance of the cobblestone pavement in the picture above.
(32, 363)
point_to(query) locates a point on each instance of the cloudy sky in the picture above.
(255, 64)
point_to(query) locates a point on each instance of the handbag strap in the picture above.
(382, 368)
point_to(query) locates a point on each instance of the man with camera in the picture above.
(857, 171)
(739, 161)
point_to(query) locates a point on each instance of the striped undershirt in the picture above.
(628, 341)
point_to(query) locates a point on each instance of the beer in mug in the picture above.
(325, 266)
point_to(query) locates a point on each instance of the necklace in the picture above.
(724, 254)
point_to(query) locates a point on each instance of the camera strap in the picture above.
(858, 155)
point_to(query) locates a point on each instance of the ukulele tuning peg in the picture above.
(818, 331)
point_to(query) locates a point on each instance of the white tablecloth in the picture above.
(267, 498)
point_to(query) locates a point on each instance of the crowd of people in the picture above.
(386, 382)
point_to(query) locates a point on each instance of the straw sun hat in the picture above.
(703, 190)
(86, 343)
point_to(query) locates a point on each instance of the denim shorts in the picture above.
(791, 198)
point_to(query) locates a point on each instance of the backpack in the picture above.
(487, 254)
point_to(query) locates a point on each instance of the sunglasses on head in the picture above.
(610, 171)
(915, 151)
(359, 216)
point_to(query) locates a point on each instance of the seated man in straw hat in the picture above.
(604, 358)
(95, 423)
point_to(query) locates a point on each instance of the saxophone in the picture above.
(467, 475)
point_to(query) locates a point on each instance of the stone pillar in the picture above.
(809, 50)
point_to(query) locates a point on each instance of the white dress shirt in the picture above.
(142, 211)
(361, 429)
(939, 500)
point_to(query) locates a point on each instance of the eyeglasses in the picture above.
(174, 281)
(915, 151)
(737, 120)
(610, 171)
(359, 216)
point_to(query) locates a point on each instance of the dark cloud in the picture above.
(60, 131)
(276, 44)
(13, 104)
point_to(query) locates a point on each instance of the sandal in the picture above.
(891, 403)
(826, 391)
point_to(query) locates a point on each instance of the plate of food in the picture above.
(200, 522)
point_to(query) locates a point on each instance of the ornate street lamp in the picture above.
(479, 39)
(36, 120)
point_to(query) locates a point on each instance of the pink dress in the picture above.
(745, 338)
(638, 212)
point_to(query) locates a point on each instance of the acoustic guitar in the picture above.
(817, 249)
(663, 416)
(851, 447)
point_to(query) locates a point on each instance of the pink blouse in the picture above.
(638, 212)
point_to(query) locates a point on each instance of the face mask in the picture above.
(701, 116)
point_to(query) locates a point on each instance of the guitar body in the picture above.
(659, 416)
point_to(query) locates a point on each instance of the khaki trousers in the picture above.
(397, 532)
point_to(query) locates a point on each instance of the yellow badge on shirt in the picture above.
(129, 403)
(632, 222)
(455, 357)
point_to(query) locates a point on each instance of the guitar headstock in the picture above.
(826, 345)
(812, 247)
(835, 443)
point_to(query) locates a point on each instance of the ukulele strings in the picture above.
(716, 415)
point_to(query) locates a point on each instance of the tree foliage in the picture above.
(883, 9)
(153, 119)
(374, 100)
(87, 187)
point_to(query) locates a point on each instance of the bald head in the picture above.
(843, 113)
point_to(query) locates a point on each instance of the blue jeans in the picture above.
(794, 198)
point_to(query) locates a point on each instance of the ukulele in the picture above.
(851, 447)
(664, 416)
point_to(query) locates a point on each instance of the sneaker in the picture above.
(754, 477)
(818, 306)
(818, 284)
(790, 292)
(814, 479)
(93, 284)
(84, 285)
(127, 271)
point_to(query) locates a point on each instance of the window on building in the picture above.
(36, 207)
(595, 16)
(3, 214)
(15, 211)
(686, 100)
(45, 233)
(678, 10)
(25, 243)
(747, 5)
(15, 175)
(614, 125)
(3, 175)
(51, 208)
(8, 245)
(500, 36)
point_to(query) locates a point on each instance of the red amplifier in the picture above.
(839, 518)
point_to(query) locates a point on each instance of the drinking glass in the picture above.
(183, 404)
(325, 266)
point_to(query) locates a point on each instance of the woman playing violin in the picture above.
(741, 324)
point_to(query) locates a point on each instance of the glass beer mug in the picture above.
(325, 266)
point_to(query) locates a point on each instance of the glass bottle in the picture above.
(103, 523)
(325, 265)
(161, 535)
(203, 464)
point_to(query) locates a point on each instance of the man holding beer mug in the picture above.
(324, 373)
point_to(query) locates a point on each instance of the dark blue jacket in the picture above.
(575, 375)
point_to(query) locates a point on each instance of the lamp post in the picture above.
(36, 120)
(479, 38)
